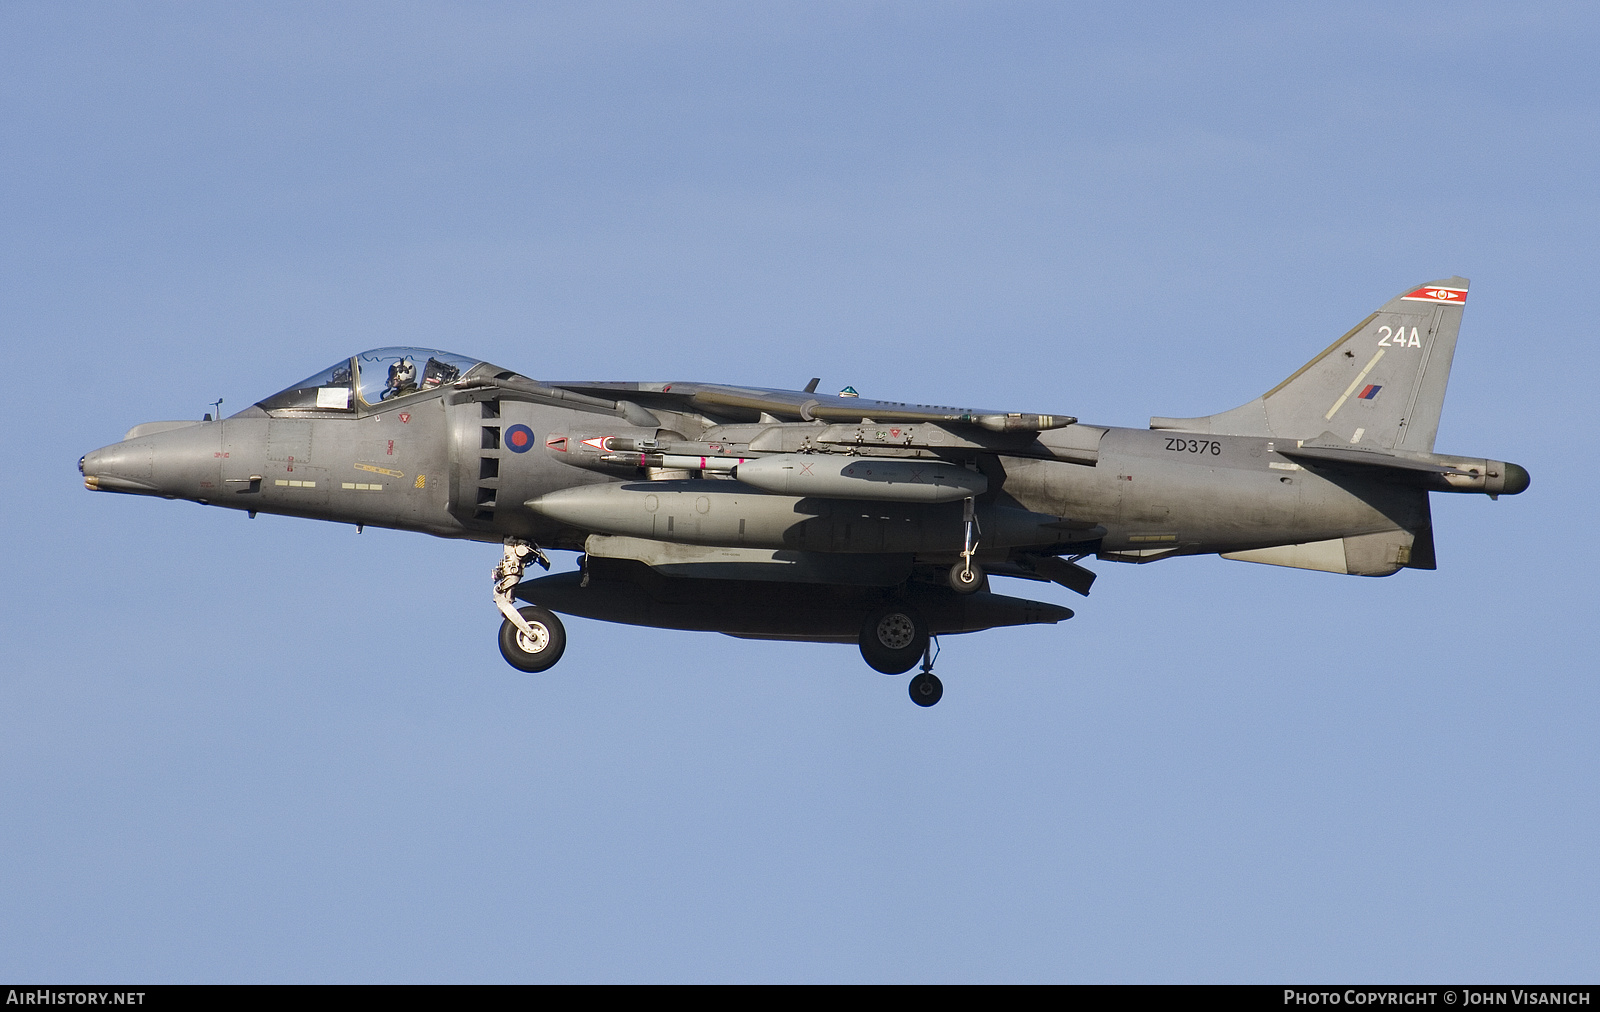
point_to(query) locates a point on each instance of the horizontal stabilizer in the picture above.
(1432, 471)
(1360, 457)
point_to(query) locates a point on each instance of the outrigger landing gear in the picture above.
(531, 638)
(926, 689)
(965, 576)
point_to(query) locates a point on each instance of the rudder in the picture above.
(1381, 384)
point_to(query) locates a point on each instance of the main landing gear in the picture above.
(892, 640)
(531, 637)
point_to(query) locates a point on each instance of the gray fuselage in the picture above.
(447, 469)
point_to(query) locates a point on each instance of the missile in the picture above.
(680, 461)
(869, 478)
(1023, 423)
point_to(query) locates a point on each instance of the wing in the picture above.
(748, 404)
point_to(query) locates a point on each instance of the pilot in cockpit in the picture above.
(402, 379)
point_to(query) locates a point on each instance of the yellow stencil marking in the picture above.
(380, 470)
(1347, 390)
(421, 482)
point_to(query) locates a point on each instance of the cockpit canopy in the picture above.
(372, 378)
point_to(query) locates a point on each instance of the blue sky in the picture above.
(276, 750)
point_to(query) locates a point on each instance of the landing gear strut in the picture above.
(531, 638)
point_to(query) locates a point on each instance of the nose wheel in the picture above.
(537, 647)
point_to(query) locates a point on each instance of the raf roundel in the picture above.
(519, 438)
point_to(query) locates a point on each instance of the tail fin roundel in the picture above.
(1381, 384)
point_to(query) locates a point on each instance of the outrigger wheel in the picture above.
(536, 652)
(893, 639)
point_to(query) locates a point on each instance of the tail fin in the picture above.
(1380, 384)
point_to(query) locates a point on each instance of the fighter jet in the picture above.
(793, 515)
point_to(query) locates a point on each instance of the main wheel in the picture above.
(926, 689)
(538, 652)
(965, 580)
(893, 639)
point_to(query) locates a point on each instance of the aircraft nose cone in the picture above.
(120, 467)
(1517, 479)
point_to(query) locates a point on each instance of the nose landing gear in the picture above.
(531, 638)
